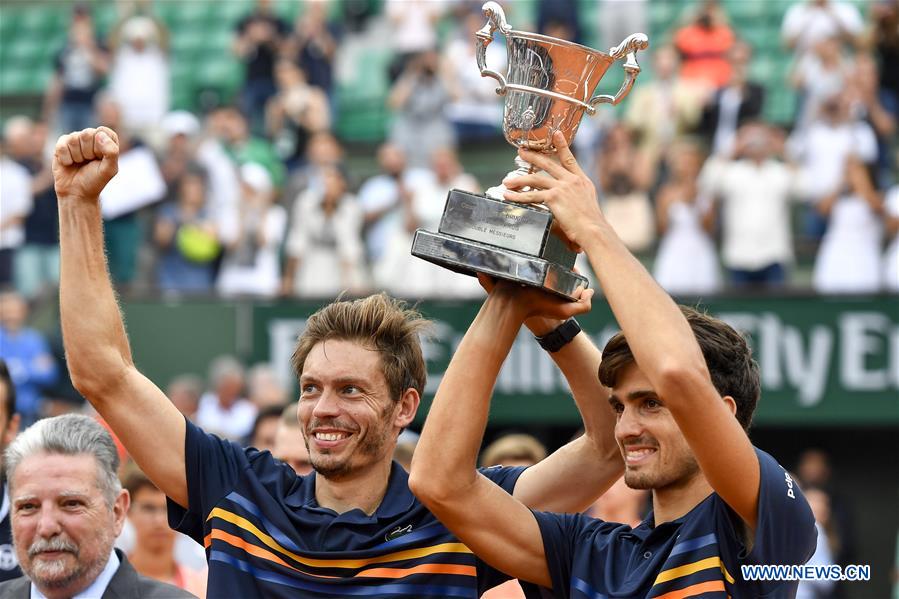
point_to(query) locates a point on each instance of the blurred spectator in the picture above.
(513, 450)
(290, 443)
(9, 428)
(153, 552)
(185, 391)
(755, 191)
(27, 355)
(37, 261)
(258, 40)
(878, 108)
(413, 24)
(704, 44)
(618, 19)
(400, 273)
(891, 257)
(625, 175)
(382, 198)
(620, 504)
(559, 19)
(180, 130)
(139, 77)
(849, 257)
(822, 152)
(738, 102)
(244, 147)
(660, 110)
(223, 181)
(814, 470)
(819, 501)
(323, 152)
(264, 390)
(262, 437)
(474, 109)
(419, 99)
(223, 409)
(296, 112)
(186, 238)
(15, 205)
(325, 253)
(79, 70)
(251, 264)
(313, 44)
(69, 466)
(686, 262)
(885, 41)
(820, 74)
(808, 22)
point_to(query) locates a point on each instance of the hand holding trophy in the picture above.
(548, 88)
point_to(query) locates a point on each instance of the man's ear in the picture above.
(731, 404)
(120, 510)
(406, 408)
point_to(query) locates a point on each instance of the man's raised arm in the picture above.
(659, 336)
(587, 466)
(495, 525)
(97, 350)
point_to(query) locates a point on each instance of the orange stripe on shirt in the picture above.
(693, 590)
(260, 552)
(422, 569)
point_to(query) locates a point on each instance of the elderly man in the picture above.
(68, 506)
(352, 527)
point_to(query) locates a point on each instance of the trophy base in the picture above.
(471, 257)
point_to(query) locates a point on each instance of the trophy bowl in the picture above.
(548, 87)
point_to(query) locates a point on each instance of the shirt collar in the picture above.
(398, 499)
(97, 588)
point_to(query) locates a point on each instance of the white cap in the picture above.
(180, 122)
(256, 176)
(139, 27)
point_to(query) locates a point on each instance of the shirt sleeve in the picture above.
(785, 531)
(212, 466)
(562, 535)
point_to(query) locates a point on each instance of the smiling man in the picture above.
(352, 527)
(684, 387)
(68, 507)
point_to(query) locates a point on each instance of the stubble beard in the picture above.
(370, 445)
(56, 574)
(685, 469)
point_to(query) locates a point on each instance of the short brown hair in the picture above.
(727, 356)
(377, 322)
(513, 447)
(135, 480)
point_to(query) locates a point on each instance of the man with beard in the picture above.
(352, 527)
(68, 506)
(684, 388)
(9, 427)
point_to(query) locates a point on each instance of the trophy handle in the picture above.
(496, 19)
(628, 48)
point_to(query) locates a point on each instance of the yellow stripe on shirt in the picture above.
(687, 569)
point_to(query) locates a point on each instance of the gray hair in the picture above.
(224, 366)
(70, 434)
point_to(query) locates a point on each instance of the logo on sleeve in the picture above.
(789, 482)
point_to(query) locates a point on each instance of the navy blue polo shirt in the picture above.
(266, 536)
(699, 554)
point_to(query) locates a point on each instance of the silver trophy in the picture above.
(548, 88)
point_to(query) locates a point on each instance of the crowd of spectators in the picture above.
(255, 198)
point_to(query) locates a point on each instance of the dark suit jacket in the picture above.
(750, 108)
(126, 583)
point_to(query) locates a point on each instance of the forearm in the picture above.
(573, 477)
(97, 350)
(656, 330)
(444, 463)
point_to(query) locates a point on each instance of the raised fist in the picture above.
(84, 162)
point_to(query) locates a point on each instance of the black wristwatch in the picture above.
(559, 337)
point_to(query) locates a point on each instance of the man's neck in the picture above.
(154, 564)
(362, 490)
(676, 500)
